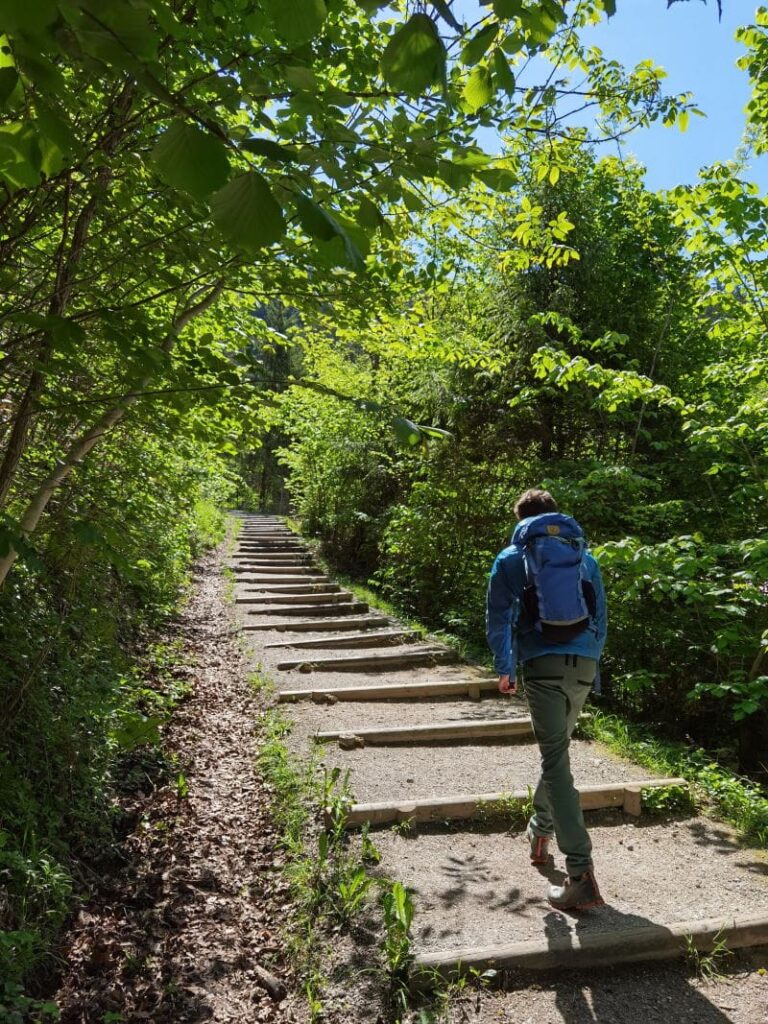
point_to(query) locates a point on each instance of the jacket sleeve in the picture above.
(502, 609)
(601, 612)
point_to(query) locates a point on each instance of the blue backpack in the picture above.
(557, 600)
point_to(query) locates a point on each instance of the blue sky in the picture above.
(699, 53)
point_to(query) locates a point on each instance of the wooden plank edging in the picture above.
(370, 662)
(464, 806)
(596, 949)
(318, 625)
(471, 688)
(457, 730)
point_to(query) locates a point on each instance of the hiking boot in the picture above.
(577, 893)
(539, 847)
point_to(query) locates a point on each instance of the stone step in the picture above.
(365, 639)
(462, 807)
(471, 688)
(376, 662)
(440, 732)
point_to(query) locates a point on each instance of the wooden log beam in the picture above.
(294, 588)
(594, 949)
(350, 608)
(318, 625)
(365, 639)
(375, 662)
(279, 570)
(342, 597)
(465, 806)
(468, 732)
(471, 688)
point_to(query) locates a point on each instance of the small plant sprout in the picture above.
(708, 965)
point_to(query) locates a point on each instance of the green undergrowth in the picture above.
(89, 674)
(332, 885)
(720, 793)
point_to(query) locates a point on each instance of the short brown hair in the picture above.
(534, 503)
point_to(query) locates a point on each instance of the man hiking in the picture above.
(546, 610)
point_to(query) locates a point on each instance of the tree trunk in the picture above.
(62, 291)
(80, 448)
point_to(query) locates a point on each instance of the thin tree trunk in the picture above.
(80, 448)
(65, 277)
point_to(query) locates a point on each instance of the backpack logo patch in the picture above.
(553, 529)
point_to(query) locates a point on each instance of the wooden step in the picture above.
(319, 625)
(273, 545)
(365, 639)
(350, 608)
(376, 662)
(295, 588)
(273, 549)
(464, 806)
(573, 951)
(343, 597)
(278, 570)
(440, 732)
(286, 559)
(275, 580)
(471, 688)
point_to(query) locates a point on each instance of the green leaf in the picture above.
(300, 78)
(479, 88)
(436, 432)
(54, 124)
(9, 79)
(321, 225)
(445, 12)
(609, 6)
(190, 159)
(268, 148)
(368, 214)
(503, 73)
(118, 34)
(247, 214)
(414, 58)
(479, 43)
(27, 17)
(507, 8)
(20, 156)
(134, 730)
(406, 431)
(298, 21)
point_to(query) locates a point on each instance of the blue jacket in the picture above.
(511, 645)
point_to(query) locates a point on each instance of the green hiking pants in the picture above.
(556, 686)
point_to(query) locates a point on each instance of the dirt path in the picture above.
(471, 883)
(187, 914)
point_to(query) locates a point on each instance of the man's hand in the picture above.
(506, 685)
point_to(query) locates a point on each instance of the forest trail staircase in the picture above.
(441, 766)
